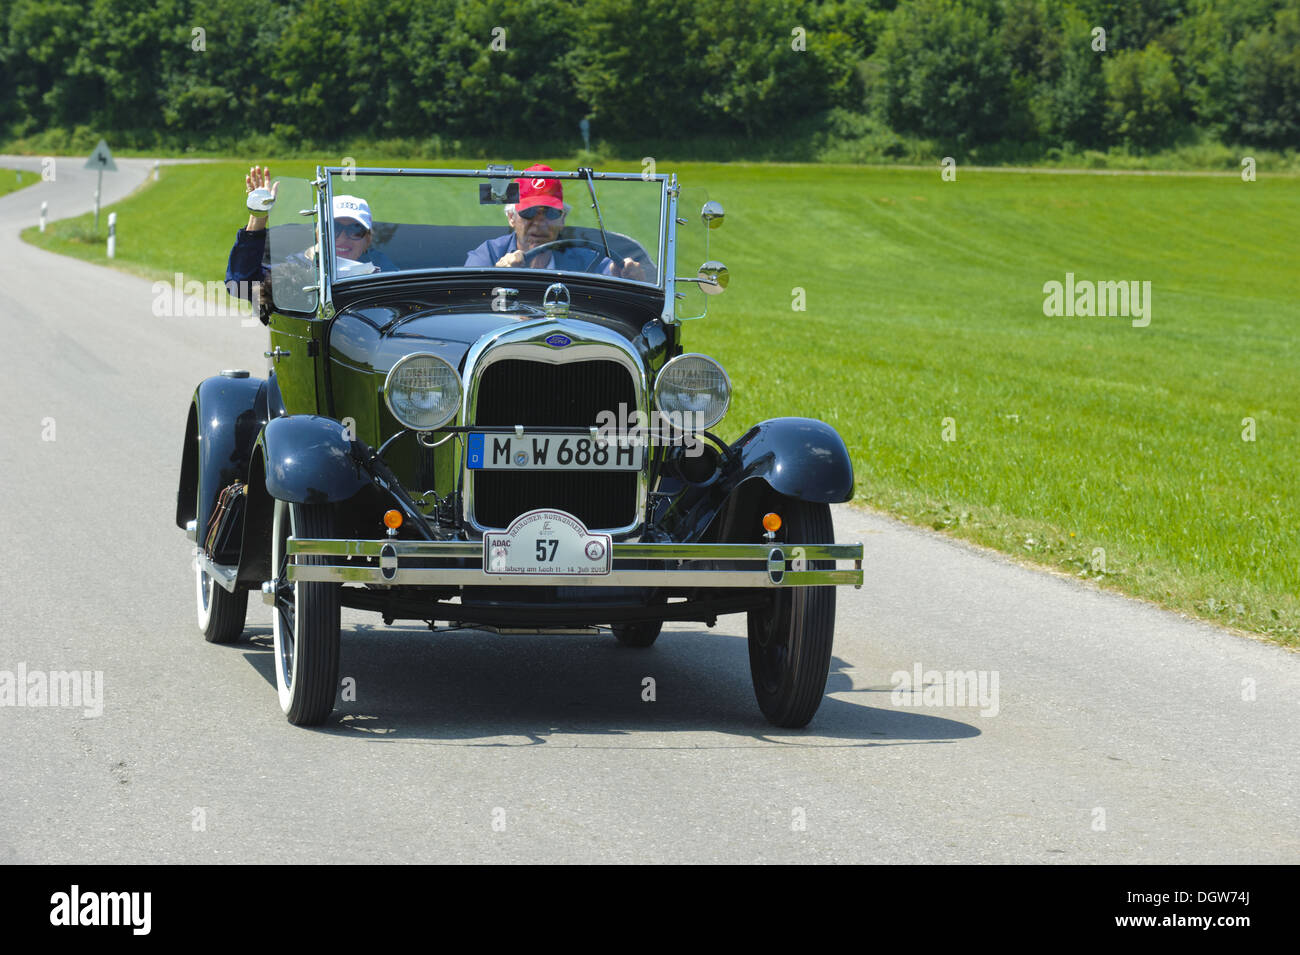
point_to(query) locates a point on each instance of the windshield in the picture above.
(421, 221)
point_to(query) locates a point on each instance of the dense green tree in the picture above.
(1143, 98)
(50, 85)
(503, 70)
(1132, 24)
(765, 63)
(1020, 73)
(1266, 83)
(942, 73)
(653, 68)
(227, 85)
(637, 66)
(1071, 100)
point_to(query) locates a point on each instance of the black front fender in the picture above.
(801, 458)
(308, 460)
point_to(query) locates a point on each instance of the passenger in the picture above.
(538, 218)
(352, 235)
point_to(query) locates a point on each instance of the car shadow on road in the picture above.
(476, 688)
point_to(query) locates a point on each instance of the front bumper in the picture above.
(396, 563)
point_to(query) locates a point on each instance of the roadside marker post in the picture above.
(112, 234)
(44, 208)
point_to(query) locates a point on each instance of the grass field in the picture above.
(1157, 460)
(11, 179)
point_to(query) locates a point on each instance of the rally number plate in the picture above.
(546, 542)
(551, 452)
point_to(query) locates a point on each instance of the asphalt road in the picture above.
(1119, 733)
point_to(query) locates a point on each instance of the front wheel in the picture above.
(790, 640)
(305, 622)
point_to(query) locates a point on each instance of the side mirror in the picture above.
(260, 201)
(713, 278)
(713, 214)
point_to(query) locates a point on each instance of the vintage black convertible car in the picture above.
(515, 448)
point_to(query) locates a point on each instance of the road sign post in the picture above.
(101, 159)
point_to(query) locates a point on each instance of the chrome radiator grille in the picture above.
(540, 394)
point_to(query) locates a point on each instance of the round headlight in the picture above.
(422, 392)
(695, 388)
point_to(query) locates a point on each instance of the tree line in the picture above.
(1076, 74)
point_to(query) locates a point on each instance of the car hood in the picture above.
(374, 339)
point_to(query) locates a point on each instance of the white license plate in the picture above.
(546, 541)
(551, 452)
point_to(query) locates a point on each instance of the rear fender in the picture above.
(226, 414)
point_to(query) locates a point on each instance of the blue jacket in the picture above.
(247, 257)
(572, 259)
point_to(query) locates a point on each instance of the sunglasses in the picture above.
(552, 213)
(353, 230)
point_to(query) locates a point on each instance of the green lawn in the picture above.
(1086, 444)
(12, 179)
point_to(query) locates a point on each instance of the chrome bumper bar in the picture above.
(388, 563)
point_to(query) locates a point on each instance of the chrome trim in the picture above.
(770, 573)
(426, 437)
(388, 561)
(668, 254)
(527, 341)
(485, 173)
(224, 574)
(345, 547)
(776, 564)
(557, 307)
(618, 578)
(324, 182)
(269, 588)
(324, 259)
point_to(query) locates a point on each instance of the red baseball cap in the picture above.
(538, 191)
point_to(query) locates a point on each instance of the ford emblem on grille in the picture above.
(558, 341)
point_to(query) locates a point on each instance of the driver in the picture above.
(537, 219)
(352, 235)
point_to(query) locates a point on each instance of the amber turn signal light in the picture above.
(393, 519)
(771, 522)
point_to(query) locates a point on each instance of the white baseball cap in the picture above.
(352, 207)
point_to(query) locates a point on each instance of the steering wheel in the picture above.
(565, 243)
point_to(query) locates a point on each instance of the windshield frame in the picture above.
(329, 269)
